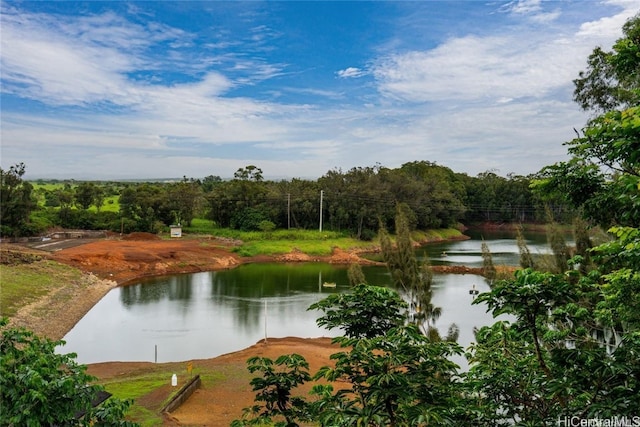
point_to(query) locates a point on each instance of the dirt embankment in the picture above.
(219, 400)
(119, 261)
(132, 258)
(143, 255)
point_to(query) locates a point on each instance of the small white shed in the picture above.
(176, 230)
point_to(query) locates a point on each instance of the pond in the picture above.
(207, 314)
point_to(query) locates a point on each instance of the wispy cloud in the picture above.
(131, 95)
(350, 72)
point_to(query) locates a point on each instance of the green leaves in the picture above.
(603, 176)
(39, 386)
(366, 312)
(401, 378)
(275, 385)
(613, 140)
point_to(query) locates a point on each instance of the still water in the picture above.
(204, 315)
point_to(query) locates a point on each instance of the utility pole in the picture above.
(321, 193)
(288, 211)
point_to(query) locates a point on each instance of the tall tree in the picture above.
(612, 79)
(412, 277)
(183, 201)
(85, 194)
(16, 202)
(603, 177)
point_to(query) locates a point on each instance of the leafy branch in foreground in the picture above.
(365, 312)
(274, 388)
(40, 387)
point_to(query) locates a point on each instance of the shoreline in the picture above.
(109, 263)
(56, 313)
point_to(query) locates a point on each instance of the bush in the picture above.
(41, 387)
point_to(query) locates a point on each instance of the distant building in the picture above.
(176, 230)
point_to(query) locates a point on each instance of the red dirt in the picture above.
(125, 260)
(219, 400)
(138, 256)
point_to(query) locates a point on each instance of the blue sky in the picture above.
(152, 89)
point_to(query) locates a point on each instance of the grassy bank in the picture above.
(150, 389)
(23, 284)
(312, 242)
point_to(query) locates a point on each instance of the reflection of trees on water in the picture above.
(173, 288)
(245, 289)
(503, 245)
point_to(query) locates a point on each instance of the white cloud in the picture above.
(485, 101)
(46, 66)
(528, 62)
(474, 68)
(530, 9)
(608, 28)
(523, 7)
(350, 72)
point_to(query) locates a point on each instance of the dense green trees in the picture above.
(39, 387)
(16, 202)
(573, 349)
(603, 176)
(355, 202)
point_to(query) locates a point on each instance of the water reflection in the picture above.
(206, 314)
(502, 244)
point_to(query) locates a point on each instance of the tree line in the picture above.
(356, 201)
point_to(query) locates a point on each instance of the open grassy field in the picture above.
(110, 203)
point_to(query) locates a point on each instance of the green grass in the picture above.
(278, 242)
(24, 283)
(110, 203)
(311, 242)
(136, 387)
(200, 226)
(435, 235)
(46, 186)
(310, 247)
